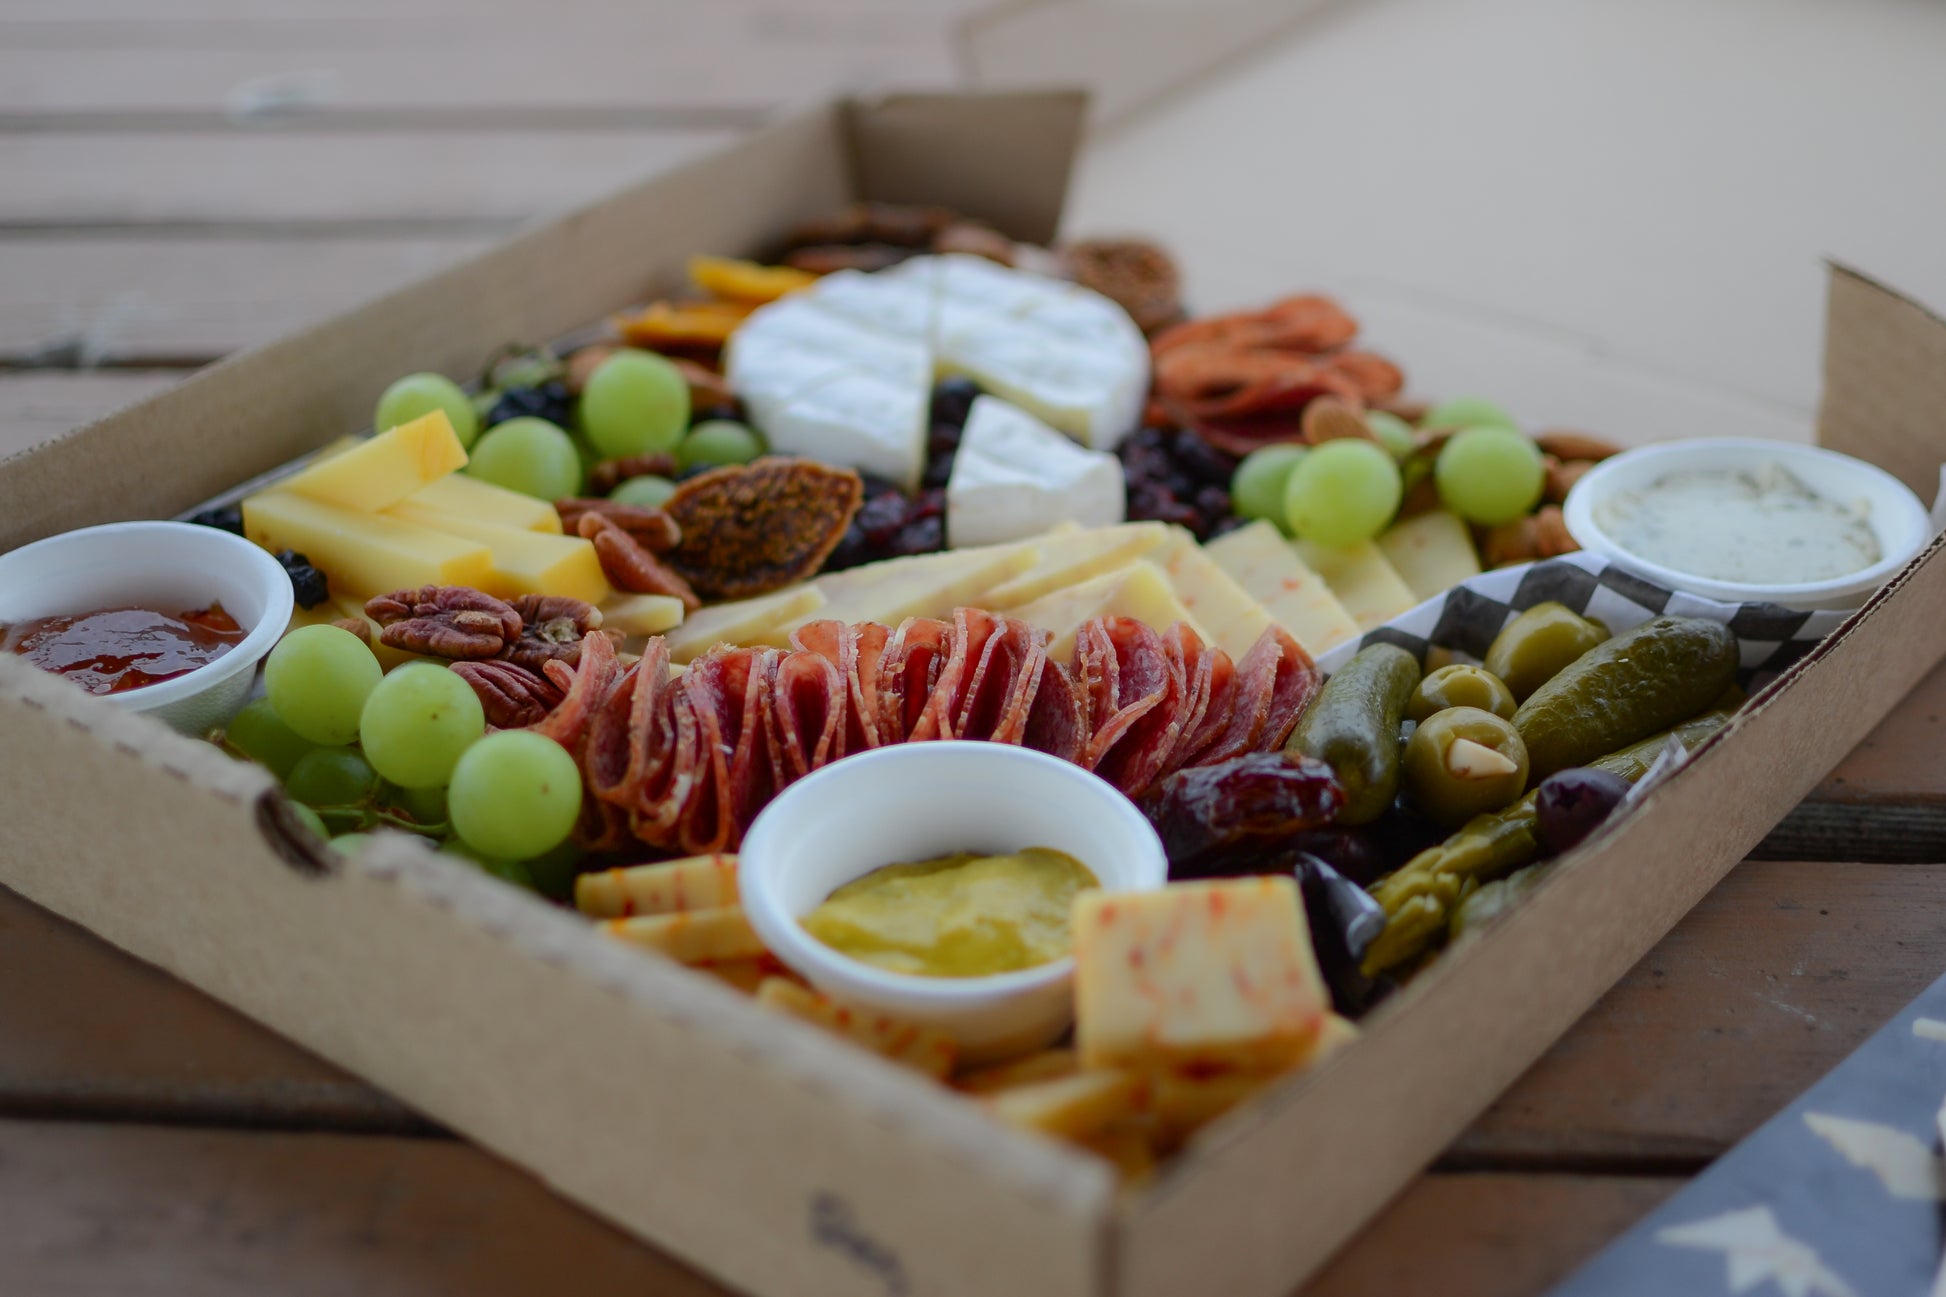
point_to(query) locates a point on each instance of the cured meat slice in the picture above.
(1196, 662)
(631, 738)
(1274, 682)
(1054, 716)
(806, 716)
(1297, 684)
(854, 651)
(586, 686)
(999, 695)
(1133, 693)
(908, 671)
(966, 645)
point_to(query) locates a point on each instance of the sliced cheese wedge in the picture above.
(1137, 590)
(1432, 553)
(1071, 555)
(642, 614)
(524, 562)
(385, 469)
(1232, 618)
(365, 553)
(479, 500)
(747, 621)
(1361, 578)
(1263, 562)
(924, 585)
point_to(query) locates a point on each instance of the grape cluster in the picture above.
(1175, 476)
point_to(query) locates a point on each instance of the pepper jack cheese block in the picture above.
(1216, 974)
(478, 500)
(1263, 563)
(1138, 590)
(524, 562)
(366, 553)
(691, 936)
(671, 887)
(1070, 555)
(1015, 477)
(842, 371)
(1432, 553)
(1361, 578)
(1232, 618)
(928, 1049)
(1073, 1107)
(386, 469)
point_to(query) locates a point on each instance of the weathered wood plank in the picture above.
(107, 299)
(1488, 1235)
(1770, 982)
(469, 182)
(36, 406)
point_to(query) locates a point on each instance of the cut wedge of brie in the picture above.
(1015, 477)
(843, 371)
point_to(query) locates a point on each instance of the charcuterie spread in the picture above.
(909, 482)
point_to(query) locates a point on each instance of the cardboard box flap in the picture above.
(1001, 158)
(1884, 380)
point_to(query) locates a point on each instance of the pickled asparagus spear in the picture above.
(1420, 897)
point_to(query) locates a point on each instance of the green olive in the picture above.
(1460, 685)
(1536, 645)
(1463, 762)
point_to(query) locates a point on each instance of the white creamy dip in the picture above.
(1759, 527)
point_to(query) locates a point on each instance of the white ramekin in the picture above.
(918, 801)
(170, 567)
(1895, 514)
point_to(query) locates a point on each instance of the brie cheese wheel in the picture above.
(1015, 477)
(843, 371)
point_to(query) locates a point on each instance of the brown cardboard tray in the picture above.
(752, 1145)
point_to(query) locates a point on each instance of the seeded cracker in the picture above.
(753, 529)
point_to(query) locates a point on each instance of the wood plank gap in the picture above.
(1568, 1162)
(298, 1110)
(1870, 832)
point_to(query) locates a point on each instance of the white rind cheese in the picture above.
(1015, 477)
(863, 351)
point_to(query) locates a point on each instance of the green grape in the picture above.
(260, 734)
(648, 491)
(317, 679)
(332, 777)
(1489, 475)
(309, 818)
(531, 456)
(718, 441)
(553, 872)
(423, 805)
(421, 394)
(350, 844)
(1467, 412)
(515, 794)
(1393, 433)
(635, 403)
(1257, 487)
(1342, 492)
(417, 722)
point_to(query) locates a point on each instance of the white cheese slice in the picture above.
(1015, 477)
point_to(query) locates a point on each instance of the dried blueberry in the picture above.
(549, 401)
(1200, 460)
(952, 400)
(308, 586)
(921, 537)
(228, 517)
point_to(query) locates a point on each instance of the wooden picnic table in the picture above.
(189, 178)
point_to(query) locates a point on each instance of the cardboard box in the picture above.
(754, 1146)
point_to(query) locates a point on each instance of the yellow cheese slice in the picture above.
(1232, 618)
(1196, 975)
(1432, 553)
(1072, 1107)
(386, 469)
(479, 500)
(642, 614)
(1263, 562)
(1137, 590)
(1070, 555)
(924, 585)
(524, 562)
(364, 553)
(747, 621)
(1361, 578)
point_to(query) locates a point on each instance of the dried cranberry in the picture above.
(880, 517)
(921, 537)
(1149, 502)
(927, 504)
(939, 470)
(854, 547)
(952, 400)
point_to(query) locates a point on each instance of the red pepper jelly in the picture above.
(118, 649)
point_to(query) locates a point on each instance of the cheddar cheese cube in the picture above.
(1046, 1065)
(365, 553)
(1072, 1107)
(459, 495)
(524, 562)
(386, 469)
(671, 887)
(1211, 975)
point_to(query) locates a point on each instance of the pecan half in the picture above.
(655, 530)
(629, 565)
(551, 627)
(513, 696)
(611, 473)
(357, 626)
(448, 621)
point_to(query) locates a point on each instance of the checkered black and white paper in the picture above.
(1466, 618)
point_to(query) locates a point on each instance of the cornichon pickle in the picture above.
(1627, 688)
(1353, 727)
(1463, 762)
(1536, 645)
(1460, 685)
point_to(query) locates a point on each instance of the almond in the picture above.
(1551, 537)
(1510, 542)
(1565, 444)
(1467, 759)
(1561, 477)
(1327, 418)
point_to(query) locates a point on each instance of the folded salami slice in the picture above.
(1054, 716)
(999, 696)
(1134, 694)
(631, 738)
(854, 651)
(806, 716)
(586, 685)
(908, 672)
(1274, 682)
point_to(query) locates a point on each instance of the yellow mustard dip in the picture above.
(962, 915)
